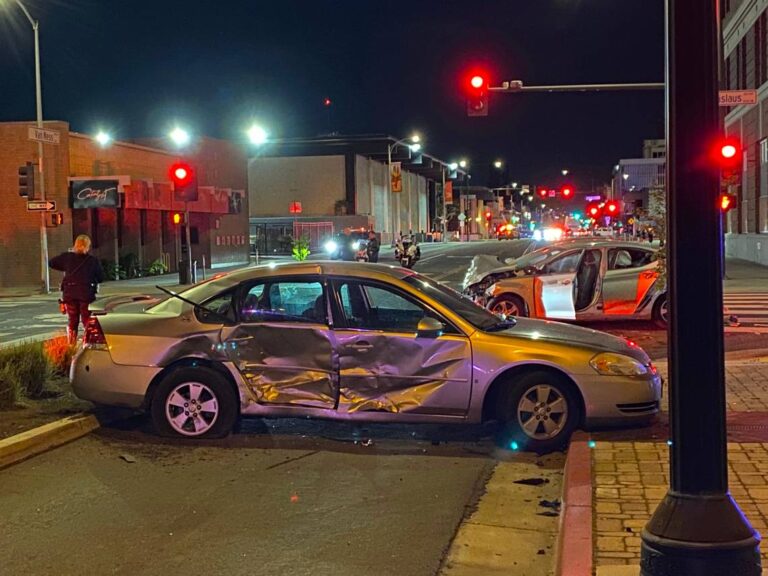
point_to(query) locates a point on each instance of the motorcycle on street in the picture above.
(407, 252)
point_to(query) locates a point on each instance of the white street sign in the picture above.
(462, 217)
(41, 206)
(44, 136)
(737, 97)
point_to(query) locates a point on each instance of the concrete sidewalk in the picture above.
(629, 472)
(743, 276)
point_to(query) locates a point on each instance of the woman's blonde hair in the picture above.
(82, 244)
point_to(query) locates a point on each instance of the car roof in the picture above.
(329, 267)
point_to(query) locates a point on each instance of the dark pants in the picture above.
(76, 310)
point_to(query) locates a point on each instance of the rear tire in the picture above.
(509, 305)
(194, 402)
(661, 311)
(539, 412)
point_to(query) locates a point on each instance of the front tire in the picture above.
(509, 305)
(194, 403)
(540, 412)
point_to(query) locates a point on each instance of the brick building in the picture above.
(138, 231)
(745, 38)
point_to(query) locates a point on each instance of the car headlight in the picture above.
(611, 364)
(331, 246)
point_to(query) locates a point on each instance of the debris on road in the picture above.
(128, 458)
(532, 481)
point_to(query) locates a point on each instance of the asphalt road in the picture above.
(283, 497)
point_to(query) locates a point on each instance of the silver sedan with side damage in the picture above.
(362, 342)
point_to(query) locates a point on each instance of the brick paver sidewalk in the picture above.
(631, 477)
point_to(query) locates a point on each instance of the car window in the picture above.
(566, 263)
(284, 301)
(374, 307)
(217, 309)
(624, 258)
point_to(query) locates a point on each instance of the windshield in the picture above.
(535, 257)
(476, 315)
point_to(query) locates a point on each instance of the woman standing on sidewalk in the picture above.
(82, 275)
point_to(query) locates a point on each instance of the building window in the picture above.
(742, 64)
(761, 62)
(142, 227)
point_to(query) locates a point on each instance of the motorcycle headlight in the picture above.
(356, 245)
(611, 364)
(331, 246)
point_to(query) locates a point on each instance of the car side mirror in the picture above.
(429, 328)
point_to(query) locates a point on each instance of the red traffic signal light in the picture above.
(593, 210)
(477, 94)
(543, 192)
(184, 182)
(612, 208)
(327, 102)
(488, 215)
(726, 202)
(566, 192)
(727, 153)
(179, 218)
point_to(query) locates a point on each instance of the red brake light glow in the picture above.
(94, 335)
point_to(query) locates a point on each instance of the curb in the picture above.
(574, 540)
(46, 437)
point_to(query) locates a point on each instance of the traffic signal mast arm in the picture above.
(518, 86)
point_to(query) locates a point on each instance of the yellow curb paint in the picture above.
(44, 438)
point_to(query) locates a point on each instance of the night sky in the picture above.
(134, 67)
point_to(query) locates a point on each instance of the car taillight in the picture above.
(94, 335)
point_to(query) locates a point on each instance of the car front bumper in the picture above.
(616, 400)
(96, 378)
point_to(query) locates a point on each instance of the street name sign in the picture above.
(44, 136)
(41, 206)
(737, 97)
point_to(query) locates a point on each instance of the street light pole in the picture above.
(39, 106)
(697, 528)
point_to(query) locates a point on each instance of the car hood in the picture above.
(480, 267)
(559, 332)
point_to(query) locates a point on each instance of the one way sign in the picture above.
(41, 206)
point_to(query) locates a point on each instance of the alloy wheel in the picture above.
(507, 308)
(542, 412)
(191, 408)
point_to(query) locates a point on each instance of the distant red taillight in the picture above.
(93, 333)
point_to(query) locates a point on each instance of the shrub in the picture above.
(59, 353)
(27, 364)
(156, 268)
(301, 249)
(9, 388)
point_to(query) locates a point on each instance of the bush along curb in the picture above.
(43, 438)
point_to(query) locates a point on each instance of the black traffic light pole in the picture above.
(697, 529)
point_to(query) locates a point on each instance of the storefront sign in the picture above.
(449, 192)
(396, 176)
(94, 194)
(294, 208)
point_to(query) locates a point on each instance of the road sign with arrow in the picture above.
(41, 206)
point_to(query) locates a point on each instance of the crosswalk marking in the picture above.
(751, 309)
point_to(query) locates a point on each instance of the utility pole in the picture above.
(697, 529)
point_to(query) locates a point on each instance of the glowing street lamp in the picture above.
(180, 137)
(257, 135)
(498, 164)
(103, 138)
(463, 163)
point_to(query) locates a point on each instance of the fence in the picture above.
(317, 232)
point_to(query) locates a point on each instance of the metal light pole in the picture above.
(390, 147)
(39, 105)
(697, 529)
(445, 208)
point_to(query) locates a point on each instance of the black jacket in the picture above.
(82, 274)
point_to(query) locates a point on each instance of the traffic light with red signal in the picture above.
(728, 156)
(566, 192)
(184, 181)
(477, 94)
(593, 210)
(612, 208)
(488, 215)
(542, 193)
